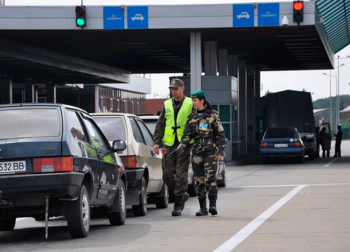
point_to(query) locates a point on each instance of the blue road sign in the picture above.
(269, 14)
(243, 15)
(138, 17)
(113, 18)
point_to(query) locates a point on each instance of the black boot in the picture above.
(203, 210)
(177, 206)
(212, 206)
(184, 199)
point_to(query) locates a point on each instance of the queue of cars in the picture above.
(143, 166)
(55, 160)
(58, 160)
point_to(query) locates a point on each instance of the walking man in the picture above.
(338, 138)
(170, 126)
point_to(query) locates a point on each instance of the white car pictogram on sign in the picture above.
(243, 15)
(137, 17)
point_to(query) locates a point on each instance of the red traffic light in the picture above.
(80, 10)
(298, 5)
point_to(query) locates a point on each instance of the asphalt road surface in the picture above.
(281, 206)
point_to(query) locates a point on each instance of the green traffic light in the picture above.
(80, 21)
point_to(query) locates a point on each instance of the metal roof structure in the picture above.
(336, 17)
(45, 44)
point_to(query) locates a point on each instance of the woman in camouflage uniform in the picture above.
(204, 126)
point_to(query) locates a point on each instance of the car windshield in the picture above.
(112, 127)
(151, 124)
(29, 123)
(281, 133)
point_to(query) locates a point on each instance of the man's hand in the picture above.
(219, 157)
(156, 149)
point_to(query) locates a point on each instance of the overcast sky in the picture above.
(313, 81)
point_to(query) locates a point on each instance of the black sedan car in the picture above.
(282, 142)
(54, 156)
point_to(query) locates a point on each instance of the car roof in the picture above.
(111, 114)
(40, 105)
(149, 117)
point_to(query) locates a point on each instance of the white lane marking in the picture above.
(267, 186)
(253, 225)
(20, 219)
(331, 162)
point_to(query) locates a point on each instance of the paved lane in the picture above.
(281, 206)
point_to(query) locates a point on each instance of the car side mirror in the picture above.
(118, 145)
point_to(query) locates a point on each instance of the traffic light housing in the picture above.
(80, 16)
(298, 11)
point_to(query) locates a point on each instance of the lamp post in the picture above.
(337, 98)
(330, 96)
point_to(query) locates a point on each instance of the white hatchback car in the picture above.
(143, 166)
(151, 121)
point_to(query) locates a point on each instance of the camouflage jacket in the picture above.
(206, 130)
(160, 127)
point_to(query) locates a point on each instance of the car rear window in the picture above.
(281, 133)
(29, 123)
(112, 127)
(151, 124)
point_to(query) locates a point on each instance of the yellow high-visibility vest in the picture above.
(185, 111)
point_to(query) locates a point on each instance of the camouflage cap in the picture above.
(198, 94)
(176, 83)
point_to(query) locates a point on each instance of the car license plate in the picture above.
(12, 167)
(281, 145)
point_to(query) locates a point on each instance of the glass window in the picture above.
(96, 138)
(29, 123)
(225, 113)
(281, 133)
(76, 128)
(146, 134)
(136, 131)
(151, 124)
(226, 127)
(112, 127)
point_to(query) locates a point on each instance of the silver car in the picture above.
(143, 166)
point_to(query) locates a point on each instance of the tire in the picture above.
(78, 214)
(39, 218)
(192, 188)
(312, 156)
(118, 218)
(7, 224)
(141, 208)
(163, 201)
(223, 183)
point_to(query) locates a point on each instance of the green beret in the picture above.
(198, 94)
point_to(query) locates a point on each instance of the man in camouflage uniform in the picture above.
(204, 126)
(170, 127)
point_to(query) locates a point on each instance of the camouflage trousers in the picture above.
(204, 169)
(175, 169)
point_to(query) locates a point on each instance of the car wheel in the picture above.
(141, 208)
(78, 214)
(192, 188)
(223, 182)
(163, 201)
(7, 224)
(39, 218)
(118, 218)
